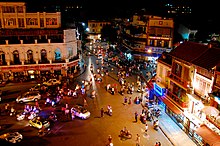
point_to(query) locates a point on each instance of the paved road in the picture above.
(95, 130)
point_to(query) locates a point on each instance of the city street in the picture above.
(95, 130)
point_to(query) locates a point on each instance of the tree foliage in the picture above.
(109, 33)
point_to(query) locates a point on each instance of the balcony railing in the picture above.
(29, 62)
(183, 104)
(59, 61)
(182, 82)
(43, 62)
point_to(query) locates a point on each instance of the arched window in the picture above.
(57, 54)
(16, 57)
(30, 58)
(2, 58)
(70, 52)
(43, 55)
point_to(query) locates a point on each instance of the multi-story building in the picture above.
(34, 43)
(95, 27)
(185, 77)
(148, 34)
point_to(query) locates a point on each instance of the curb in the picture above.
(161, 129)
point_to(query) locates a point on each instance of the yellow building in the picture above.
(148, 34)
(34, 44)
(187, 76)
(14, 15)
(95, 27)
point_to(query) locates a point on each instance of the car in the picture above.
(28, 96)
(12, 137)
(52, 82)
(39, 122)
(80, 112)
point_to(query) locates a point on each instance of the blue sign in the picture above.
(159, 91)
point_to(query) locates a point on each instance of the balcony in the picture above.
(178, 101)
(59, 61)
(29, 62)
(44, 62)
(182, 82)
(73, 58)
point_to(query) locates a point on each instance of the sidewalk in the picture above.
(171, 130)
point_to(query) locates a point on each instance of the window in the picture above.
(19, 9)
(16, 57)
(51, 21)
(11, 22)
(32, 21)
(8, 9)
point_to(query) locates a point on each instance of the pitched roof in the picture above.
(188, 51)
(208, 59)
(197, 54)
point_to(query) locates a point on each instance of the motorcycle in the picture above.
(21, 116)
(52, 118)
(156, 125)
(125, 134)
(43, 132)
(109, 112)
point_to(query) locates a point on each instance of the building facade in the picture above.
(95, 28)
(33, 49)
(148, 34)
(188, 81)
(14, 15)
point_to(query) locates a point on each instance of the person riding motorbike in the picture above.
(125, 133)
(109, 110)
(53, 117)
(156, 124)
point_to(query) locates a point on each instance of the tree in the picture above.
(109, 33)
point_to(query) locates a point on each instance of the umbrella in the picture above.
(210, 110)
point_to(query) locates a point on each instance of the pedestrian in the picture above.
(146, 127)
(102, 112)
(138, 140)
(110, 139)
(159, 144)
(37, 104)
(85, 103)
(129, 101)
(136, 116)
(125, 100)
(73, 115)
(156, 144)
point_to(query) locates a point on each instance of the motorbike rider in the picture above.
(156, 123)
(53, 116)
(109, 110)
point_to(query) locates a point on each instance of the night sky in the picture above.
(205, 13)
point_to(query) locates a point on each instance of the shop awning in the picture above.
(209, 136)
(170, 105)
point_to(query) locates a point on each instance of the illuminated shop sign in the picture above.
(158, 90)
